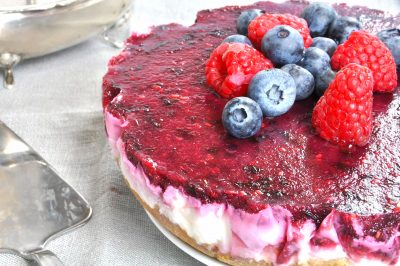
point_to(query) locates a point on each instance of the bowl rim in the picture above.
(38, 8)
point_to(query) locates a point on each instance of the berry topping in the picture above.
(238, 39)
(262, 24)
(245, 18)
(242, 117)
(342, 27)
(315, 60)
(366, 49)
(231, 67)
(283, 45)
(274, 90)
(319, 17)
(303, 79)
(325, 44)
(322, 81)
(391, 37)
(343, 115)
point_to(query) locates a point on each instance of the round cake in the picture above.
(283, 197)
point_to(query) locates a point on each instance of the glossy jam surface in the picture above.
(173, 129)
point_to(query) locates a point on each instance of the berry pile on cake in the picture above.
(258, 140)
(344, 113)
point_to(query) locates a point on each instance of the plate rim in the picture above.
(194, 253)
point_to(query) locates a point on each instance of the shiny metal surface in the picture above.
(46, 258)
(35, 203)
(39, 29)
(42, 27)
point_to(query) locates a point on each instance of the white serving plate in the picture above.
(185, 247)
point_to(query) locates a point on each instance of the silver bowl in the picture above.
(34, 28)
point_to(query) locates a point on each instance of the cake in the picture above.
(284, 197)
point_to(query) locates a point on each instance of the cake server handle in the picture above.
(46, 258)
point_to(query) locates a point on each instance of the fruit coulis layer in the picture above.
(173, 129)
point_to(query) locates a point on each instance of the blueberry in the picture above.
(391, 37)
(274, 90)
(315, 60)
(303, 79)
(242, 117)
(319, 17)
(322, 81)
(342, 27)
(283, 45)
(245, 18)
(238, 38)
(326, 44)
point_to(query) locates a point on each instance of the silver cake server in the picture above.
(35, 203)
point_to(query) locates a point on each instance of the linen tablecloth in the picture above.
(56, 107)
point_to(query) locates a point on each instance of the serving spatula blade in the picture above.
(35, 203)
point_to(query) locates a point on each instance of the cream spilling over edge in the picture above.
(238, 233)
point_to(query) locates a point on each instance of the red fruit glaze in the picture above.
(168, 101)
(262, 24)
(343, 115)
(231, 67)
(366, 49)
(173, 129)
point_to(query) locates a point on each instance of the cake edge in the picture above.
(226, 258)
(216, 244)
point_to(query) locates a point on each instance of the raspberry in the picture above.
(262, 24)
(231, 67)
(366, 49)
(343, 115)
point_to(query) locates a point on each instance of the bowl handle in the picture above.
(7, 62)
(117, 33)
